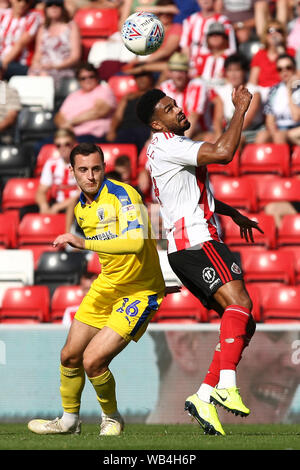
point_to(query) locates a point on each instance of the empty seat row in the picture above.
(33, 304)
(270, 158)
(37, 264)
(253, 193)
(272, 237)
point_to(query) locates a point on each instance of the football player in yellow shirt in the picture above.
(120, 302)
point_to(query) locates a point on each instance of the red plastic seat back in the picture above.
(25, 304)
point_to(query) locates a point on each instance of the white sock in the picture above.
(70, 419)
(227, 378)
(116, 415)
(204, 392)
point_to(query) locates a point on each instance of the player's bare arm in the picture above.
(223, 150)
(246, 225)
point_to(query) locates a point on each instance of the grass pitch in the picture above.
(155, 437)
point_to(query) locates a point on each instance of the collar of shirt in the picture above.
(82, 198)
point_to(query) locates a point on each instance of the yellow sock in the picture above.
(105, 388)
(72, 381)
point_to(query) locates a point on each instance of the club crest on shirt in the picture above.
(209, 275)
(100, 214)
(235, 268)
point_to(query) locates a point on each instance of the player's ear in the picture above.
(156, 126)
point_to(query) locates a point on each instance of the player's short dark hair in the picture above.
(85, 149)
(146, 104)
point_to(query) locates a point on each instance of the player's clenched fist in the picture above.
(241, 98)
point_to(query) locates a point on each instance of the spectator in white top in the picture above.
(57, 186)
(282, 109)
(18, 29)
(10, 105)
(190, 94)
(236, 68)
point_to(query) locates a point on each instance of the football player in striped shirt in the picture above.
(197, 255)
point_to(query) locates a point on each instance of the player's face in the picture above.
(89, 173)
(168, 117)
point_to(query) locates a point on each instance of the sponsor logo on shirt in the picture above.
(235, 268)
(108, 235)
(100, 214)
(209, 275)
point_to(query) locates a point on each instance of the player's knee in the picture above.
(69, 358)
(93, 366)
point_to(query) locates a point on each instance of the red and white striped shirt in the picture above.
(12, 29)
(56, 175)
(193, 99)
(210, 68)
(194, 31)
(183, 191)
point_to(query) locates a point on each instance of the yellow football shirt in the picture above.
(116, 209)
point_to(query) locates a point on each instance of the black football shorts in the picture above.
(204, 268)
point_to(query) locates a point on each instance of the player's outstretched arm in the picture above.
(131, 243)
(246, 225)
(223, 150)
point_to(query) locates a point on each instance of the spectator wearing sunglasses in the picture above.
(58, 44)
(263, 65)
(57, 184)
(18, 29)
(282, 109)
(88, 111)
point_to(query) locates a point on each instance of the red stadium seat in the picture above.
(46, 152)
(265, 158)
(295, 161)
(28, 304)
(180, 307)
(237, 192)
(8, 229)
(64, 297)
(267, 239)
(289, 231)
(40, 228)
(268, 266)
(95, 24)
(122, 85)
(230, 169)
(254, 294)
(277, 189)
(93, 264)
(113, 151)
(281, 304)
(295, 252)
(19, 192)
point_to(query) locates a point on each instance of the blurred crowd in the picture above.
(210, 47)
